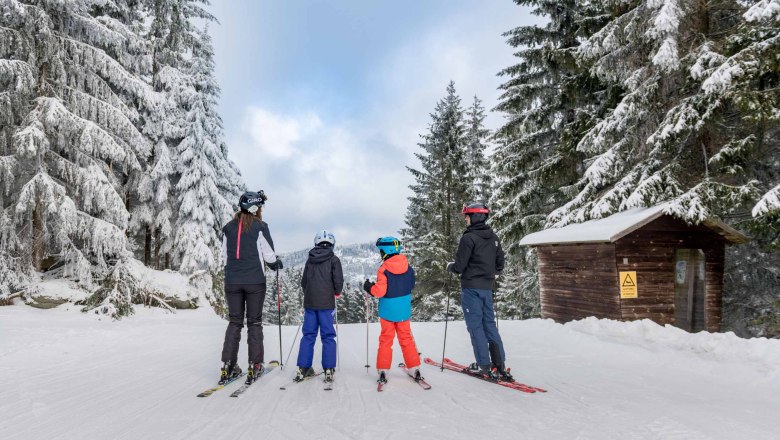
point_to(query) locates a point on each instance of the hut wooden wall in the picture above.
(577, 281)
(650, 252)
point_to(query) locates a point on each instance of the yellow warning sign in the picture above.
(629, 288)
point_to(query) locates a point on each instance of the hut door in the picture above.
(689, 289)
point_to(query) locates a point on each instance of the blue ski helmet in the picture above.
(251, 201)
(389, 246)
(323, 237)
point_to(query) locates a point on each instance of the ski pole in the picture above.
(495, 312)
(279, 315)
(294, 341)
(446, 317)
(338, 356)
(367, 365)
(300, 324)
(496, 285)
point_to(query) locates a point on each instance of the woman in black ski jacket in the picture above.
(246, 243)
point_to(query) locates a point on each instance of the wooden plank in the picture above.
(578, 281)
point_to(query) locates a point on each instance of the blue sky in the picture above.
(323, 101)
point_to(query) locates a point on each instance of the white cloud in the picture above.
(414, 77)
(277, 135)
(319, 176)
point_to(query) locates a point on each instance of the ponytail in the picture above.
(246, 219)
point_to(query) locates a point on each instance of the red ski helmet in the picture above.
(478, 212)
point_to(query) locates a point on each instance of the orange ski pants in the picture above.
(403, 329)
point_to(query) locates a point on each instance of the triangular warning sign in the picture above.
(628, 282)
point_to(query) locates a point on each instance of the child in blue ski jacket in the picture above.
(322, 283)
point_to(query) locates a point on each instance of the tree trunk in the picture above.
(157, 249)
(38, 236)
(147, 246)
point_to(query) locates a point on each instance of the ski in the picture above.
(515, 384)
(380, 385)
(213, 390)
(304, 380)
(425, 385)
(328, 385)
(266, 370)
(449, 365)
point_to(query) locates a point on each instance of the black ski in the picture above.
(213, 390)
(328, 385)
(299, 381)
(266, 370)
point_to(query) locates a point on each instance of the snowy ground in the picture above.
(66, 375)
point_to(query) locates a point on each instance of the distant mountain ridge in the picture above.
(358, 261)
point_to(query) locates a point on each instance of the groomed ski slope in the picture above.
(66, 375)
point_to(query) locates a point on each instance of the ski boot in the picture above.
(329, 372)
(417, 375)
(483, 371)
(228, 373)
(254, 372)
(303, 373)
(503, 373)
(382, 377)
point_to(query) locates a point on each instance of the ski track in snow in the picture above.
(67, 375)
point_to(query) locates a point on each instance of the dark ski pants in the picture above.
(314, 320)
(241, 299)
(481, 323)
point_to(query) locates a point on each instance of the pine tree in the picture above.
(69, 138)
(93, 99)
(440, 189)
(477, 165)
(202, 206)
(695, 121)
(549, 100)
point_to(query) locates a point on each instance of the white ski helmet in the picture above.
(324, 237)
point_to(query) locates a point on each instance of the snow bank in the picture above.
(723, 347)
(51, 293)
(173, 287)
(166, 288)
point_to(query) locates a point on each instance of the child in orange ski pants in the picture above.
(394, 283)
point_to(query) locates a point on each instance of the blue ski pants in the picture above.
(481, 323)
(314, 320)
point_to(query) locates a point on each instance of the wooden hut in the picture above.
(636, 264)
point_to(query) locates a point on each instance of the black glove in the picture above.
(451, 267)
(276, 265)
(367, 286)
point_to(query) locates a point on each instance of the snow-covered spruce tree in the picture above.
(549, 100)
(71, 135)
(518, 294)
(477, 165)
(171, 36)
(202, 206)
(440, 189)
(747, 82)
(697, 124)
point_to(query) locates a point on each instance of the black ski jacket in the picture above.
(322, 279)
(479, 257)
(244, 253)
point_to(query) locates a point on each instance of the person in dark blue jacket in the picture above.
(322, 282)
(478, 260)
(246, 243)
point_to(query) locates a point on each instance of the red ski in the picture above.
(450, 365)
